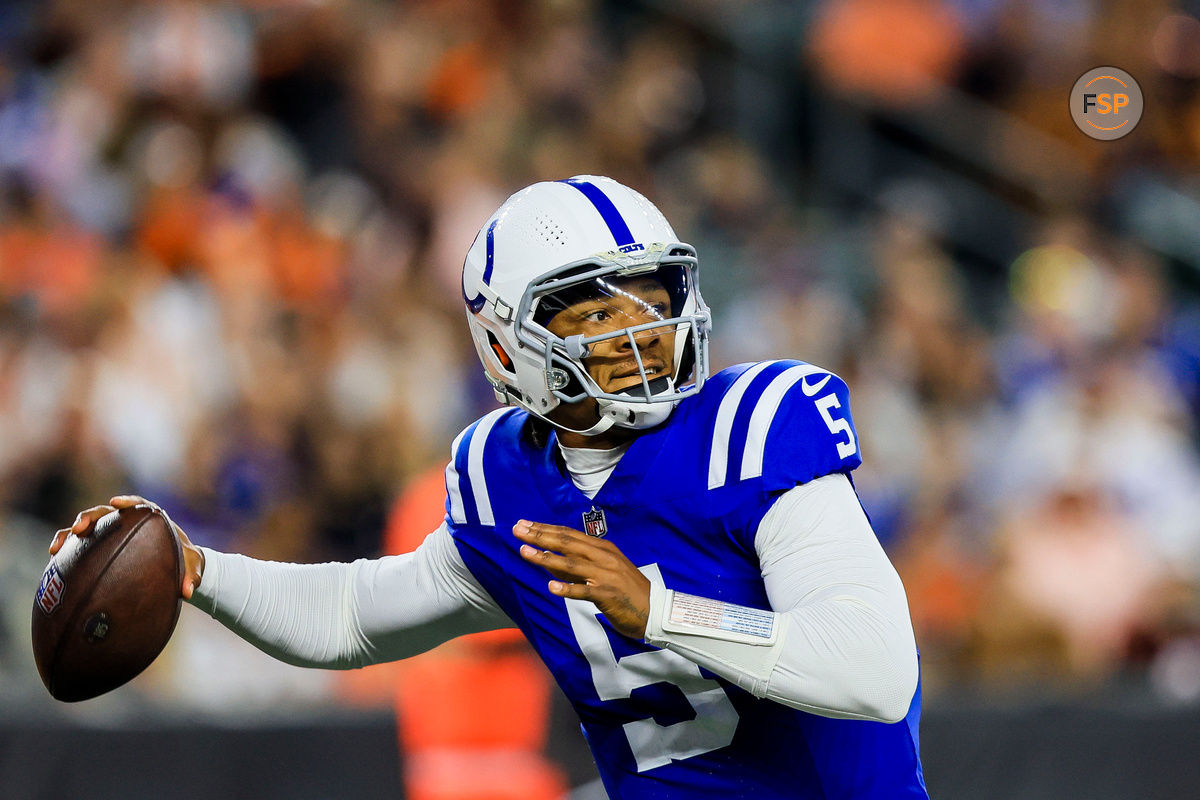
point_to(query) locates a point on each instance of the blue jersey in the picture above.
(686, 500)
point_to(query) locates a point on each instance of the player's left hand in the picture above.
(592, 569)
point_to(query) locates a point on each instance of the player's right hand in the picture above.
(85, 521)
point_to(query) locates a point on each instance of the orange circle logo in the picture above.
(1106, 103)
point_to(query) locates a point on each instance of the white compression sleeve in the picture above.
(340, 616)
(840, 643)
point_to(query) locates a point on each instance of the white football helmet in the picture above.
(552, 243)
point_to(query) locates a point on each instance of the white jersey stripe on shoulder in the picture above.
(453, 489)
(764, 415)
(724, 423)
(483, 503)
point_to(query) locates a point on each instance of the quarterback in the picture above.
(685, 551)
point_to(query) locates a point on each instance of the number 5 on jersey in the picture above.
(837, 425)
(654, 745)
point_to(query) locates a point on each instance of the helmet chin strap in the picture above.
(620, 414)
(613, 413)
(640, 416)
(603, 424)
(636, 416)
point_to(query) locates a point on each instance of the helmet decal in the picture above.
(476, 303)
(612, 217)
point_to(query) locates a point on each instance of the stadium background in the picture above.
(230, 241)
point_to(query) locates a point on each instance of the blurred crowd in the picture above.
(231, 235)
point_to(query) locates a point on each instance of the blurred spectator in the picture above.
(1077, 568)
(893, 51)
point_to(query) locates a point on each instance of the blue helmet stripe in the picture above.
(476, 303)
(612, 217)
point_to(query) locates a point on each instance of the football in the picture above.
(107, 604)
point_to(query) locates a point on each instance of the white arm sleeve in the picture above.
(840, 641)
(340, 616)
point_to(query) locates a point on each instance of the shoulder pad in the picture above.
(468, 501)
(785, 422)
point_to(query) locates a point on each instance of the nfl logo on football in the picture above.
(49, 594)
(594, 523)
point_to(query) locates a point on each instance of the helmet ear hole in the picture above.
(501, 354)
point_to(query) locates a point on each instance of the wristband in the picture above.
(714, 619)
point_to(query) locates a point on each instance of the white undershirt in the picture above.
(590, 468)
(843, 643)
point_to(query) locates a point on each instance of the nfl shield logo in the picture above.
(49, 593)
(594, 523)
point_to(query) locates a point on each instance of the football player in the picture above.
(685, 551)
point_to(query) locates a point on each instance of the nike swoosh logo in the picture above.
(808, 390)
